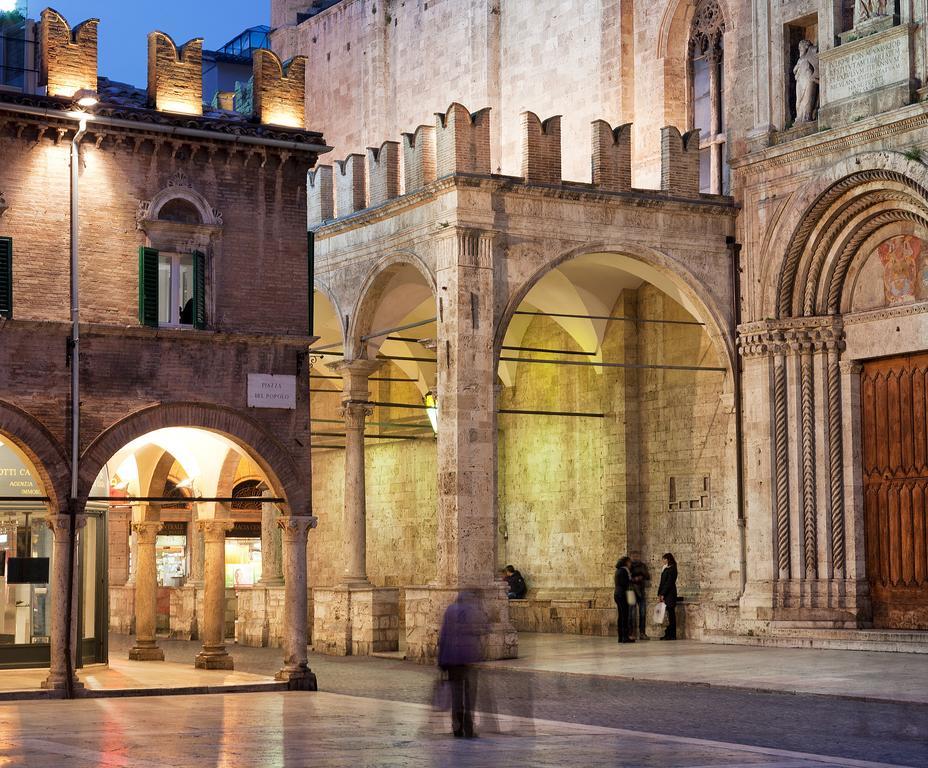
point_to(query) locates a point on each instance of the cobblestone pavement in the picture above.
(303, 730)
(883, 732)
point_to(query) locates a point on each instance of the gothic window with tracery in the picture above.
(706, 95)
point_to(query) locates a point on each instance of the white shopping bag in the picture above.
(660, 611)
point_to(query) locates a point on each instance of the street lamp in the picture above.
(85, 97)
(431, 409)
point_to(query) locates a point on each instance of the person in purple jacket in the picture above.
(458, 650)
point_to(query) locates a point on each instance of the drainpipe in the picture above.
(734, 249)
(75, 404)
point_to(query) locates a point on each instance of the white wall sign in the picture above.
(267, 391)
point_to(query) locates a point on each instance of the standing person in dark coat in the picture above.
(641, 577)
(623, 583)
(458, 651)
(667, 594)
(517, 585)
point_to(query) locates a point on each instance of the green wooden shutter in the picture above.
(199, 290)
(6, 277)
(148, 287)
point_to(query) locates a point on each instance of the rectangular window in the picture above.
(702, 103)
(172, 289)
(6, 277)
(705, 170)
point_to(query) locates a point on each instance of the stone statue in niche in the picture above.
(807, 77)
(864, 10)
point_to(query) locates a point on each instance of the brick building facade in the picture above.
(193, 275)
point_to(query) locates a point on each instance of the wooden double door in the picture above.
(894, 405)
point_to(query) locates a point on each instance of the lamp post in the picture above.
(84, 99)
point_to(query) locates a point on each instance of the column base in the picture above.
(425, 609)
(59, 682)
(298, 679)
(356, 620)
(214, 658)
(146, 651)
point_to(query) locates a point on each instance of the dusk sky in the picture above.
(125, 24)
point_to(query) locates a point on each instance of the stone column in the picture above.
(296, 671)
(146, 593)
(57, 679)
(213, 621)
(196, 552)
(355, 409)
(271, 573)
(467, 499)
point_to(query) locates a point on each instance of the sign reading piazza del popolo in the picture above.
(269, 391)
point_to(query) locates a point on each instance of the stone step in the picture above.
(873, 635)
(835, 640)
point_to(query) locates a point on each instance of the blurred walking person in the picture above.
(641, 577)
(623, 585)
(667, 594)
(458, 651)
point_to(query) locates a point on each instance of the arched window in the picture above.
(706, 90)
(180, 211)
(247, 489)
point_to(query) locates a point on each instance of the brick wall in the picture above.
(67, 58)
(279, 89)
(175, 75)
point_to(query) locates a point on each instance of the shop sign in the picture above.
(15, 477)
(268, 391)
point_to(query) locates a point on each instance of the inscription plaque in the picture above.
(866, 65)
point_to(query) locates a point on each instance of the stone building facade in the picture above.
(188, 224)
(794, 481)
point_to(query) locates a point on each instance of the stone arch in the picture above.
(227, 474)
(371, 292)
(331, 296)
(825, 226)
(697, 299)
(43, 451)
(273, 458)
(160, 475)
(179, 191)
(672, 51)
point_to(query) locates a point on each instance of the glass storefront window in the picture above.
(243, 562)
(171, 560)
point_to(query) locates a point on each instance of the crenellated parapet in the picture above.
(175, 75)
(350, 185)
(383, 168)
(680, 161)
(67, 58)
(541, 149)
(320, 204)
(460, 144)
(612, 156)
(462, 140)
(279, 89)
(419, 158)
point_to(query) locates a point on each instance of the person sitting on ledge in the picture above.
(517, 585)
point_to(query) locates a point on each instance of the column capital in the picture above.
(60, 524)
(147, 530)
(355, 413)
(296, 527)
(214, 530)
(851, 367)
(355, 374)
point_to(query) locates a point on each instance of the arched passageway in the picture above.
(374, 466)
(616, 435)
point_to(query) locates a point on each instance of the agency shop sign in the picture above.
(269, 391)
(15, 478)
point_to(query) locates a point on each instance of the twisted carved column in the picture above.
(60, 526)
(214, 654)
(781, 463)
(835, 462)
(807, 428)
(146, 593)
(296, 671)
